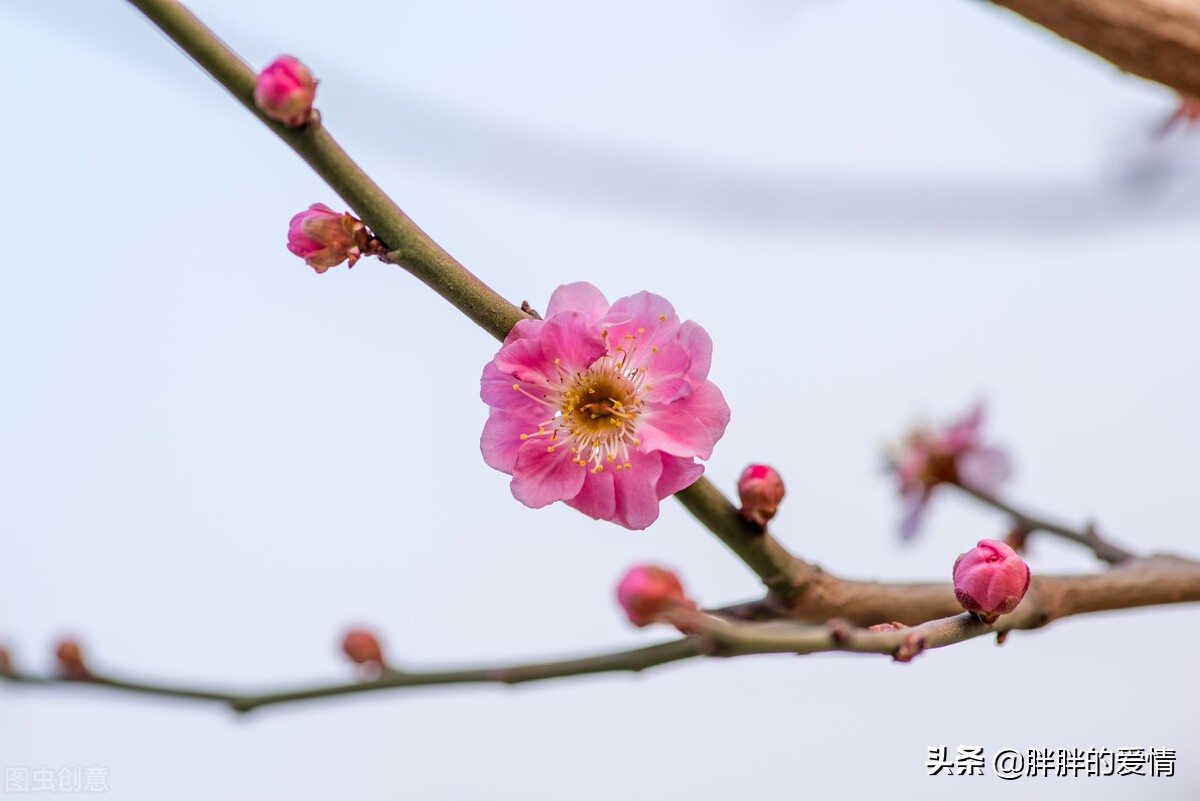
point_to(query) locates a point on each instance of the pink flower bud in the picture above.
(285, 91)
(363, 648)
(990, 580)
(70, 661)
(647, 592)
(761, 490)
(324, 238)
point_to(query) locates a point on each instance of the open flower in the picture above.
(605, 408)
(953, 455)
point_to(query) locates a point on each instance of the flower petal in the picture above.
(677, 473)
(496, 389)
(690, 426)
(983, 469)
(637, 501)
(667, 374)
(580, 296)
(525, 360)
(699, 346)
(501, 438)
(913, 508)
(648, 317)
(597, 499)
(524, 329)
(571, 342)
(541, 476)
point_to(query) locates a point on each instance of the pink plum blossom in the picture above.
(990, 580)
(953, 455)
(324, 238)
(760, 489)
(646, 592)
(604, 407)
(285, 90)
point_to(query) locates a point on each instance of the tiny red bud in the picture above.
(647, 592)
(893, 626)
(990, 580)
(363, 648)
(761, 490)
(285, 90)
(910, 648)
(70, 661)
(324, 238)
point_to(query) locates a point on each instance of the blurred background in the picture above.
(213, 461)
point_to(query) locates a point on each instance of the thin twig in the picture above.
(710, 636)
(409, 246)
(781, 572)
(1103, 549)
(1139, 582)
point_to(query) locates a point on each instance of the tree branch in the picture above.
(410, 247)
(1156, 39)
(1104, 550)
(1138, 582)
(783, 574)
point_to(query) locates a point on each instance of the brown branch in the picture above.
(783, 574)
(842, 609)
(1138, 582)
(1156, 39)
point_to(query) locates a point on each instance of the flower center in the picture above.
(596, 413)
(596, 410)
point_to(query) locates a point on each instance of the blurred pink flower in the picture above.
(285, 90)
(990, 580)
(324, 238)
(1188, 112)
(646, 592)
(605, 408)
(954, 455)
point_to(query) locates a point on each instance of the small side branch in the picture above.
(1138, 582)
(1087, 537)
(409, 246)
(784, 575)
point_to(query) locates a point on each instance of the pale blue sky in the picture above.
(213, 460)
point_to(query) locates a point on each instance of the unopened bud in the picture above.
(990, 580)
(285, 90)
(363, 648)
(893, 626)
(761, 490)
(324, 238)
(647, 593)
(6, 666)
(70, 661)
